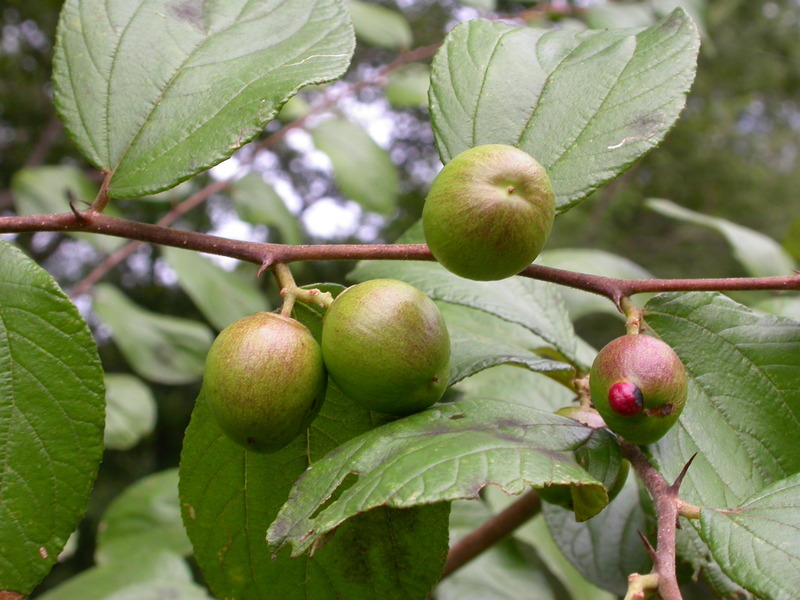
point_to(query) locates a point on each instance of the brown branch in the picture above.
(667, 503)
(266, 255)
(491, 532)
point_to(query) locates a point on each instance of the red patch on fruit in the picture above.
(625, 398)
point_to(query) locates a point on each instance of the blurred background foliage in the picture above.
(356, 167)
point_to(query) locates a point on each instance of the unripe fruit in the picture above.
(639, 386)
(489, 212)
(264, 380)
(386, 346)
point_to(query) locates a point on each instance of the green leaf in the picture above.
(479, 340)
(595, 262)
(363, 170)
(48, 190)
(508, 570)
(585, 104)
(222, 296)
(380, 26)
(51, 419)
(130, 411)
(743, 372)
(607, 548)
(535, 533)
(163, 349)
(256, 202)
(513, 384)
(781, 306)
(158, 568)
(156, 91)
(760, 255)
(146, 515)
(447, 452)
(408, 86)
(758, 544)
(229, 496)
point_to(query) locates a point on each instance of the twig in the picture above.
(667, 504)
(491, 532)
(266, 255)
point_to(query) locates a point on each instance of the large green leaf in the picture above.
(130, 411)
(607, 548)
(585, 104)
(743, 369)
(509, 570)
(513, 384)
(47, 190)
(444, 453)
(222, 296)
(760, 255)
(479, 340)
(229, 496)
(535, 532)
(156, 91)
(759, 542)
(363, 170)
(146, 515)
(163, 349)
(51, 419)
(139, 578)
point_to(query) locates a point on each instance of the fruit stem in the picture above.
(291, 293)
(633, 316)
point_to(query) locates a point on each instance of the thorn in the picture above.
(76, 212)
(650, 550)
(676, 486)
(265, 264)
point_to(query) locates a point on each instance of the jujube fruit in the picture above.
(489, 212)
(264, 380)
(638, 385)
(385, 344)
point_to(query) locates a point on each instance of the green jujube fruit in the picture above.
(385, 344)
(264, 380)
(489, 212)
(638, 385)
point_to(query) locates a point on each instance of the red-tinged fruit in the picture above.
(639, 386)
(489, 212)
(386, 346)
(264, 380)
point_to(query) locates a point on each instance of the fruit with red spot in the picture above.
(386, 346)
(489, 212)
(264, 380)
(638, 385)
